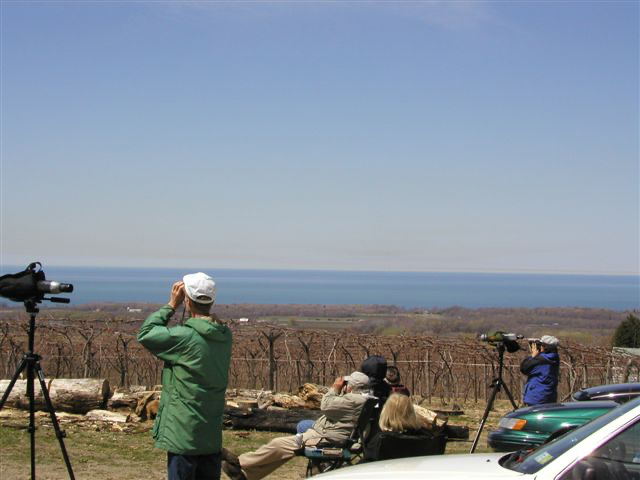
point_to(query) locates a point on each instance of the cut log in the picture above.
(124, 399)
(151, 410)
(106, 416)
(247, 404)
(430, 419)
(67, 395)
(146, 399)
(244, 392)
(312, 395)
(269, 420)
(288, 401)
(265, 399)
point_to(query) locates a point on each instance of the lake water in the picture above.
(428, 290)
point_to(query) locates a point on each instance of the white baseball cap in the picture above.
(200, 287)
(549, 340)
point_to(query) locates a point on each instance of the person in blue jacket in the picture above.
(542, 369)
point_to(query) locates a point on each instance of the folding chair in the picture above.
(389, 445)
(326, 456)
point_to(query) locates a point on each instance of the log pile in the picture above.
(92, 400)
(98, 420)
(309, 396)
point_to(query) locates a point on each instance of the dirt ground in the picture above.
(108, 453)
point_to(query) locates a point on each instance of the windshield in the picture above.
(549, 452)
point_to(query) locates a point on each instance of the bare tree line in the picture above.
(440, 369)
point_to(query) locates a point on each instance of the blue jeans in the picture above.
(194, 467)
(304, 425)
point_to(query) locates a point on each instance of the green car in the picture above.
(529, 427)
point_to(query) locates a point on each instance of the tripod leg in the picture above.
(13, 381)
(508, 392)
(59, 433)
(32, 417)
(495, 388)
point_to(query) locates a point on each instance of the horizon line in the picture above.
(345, 270)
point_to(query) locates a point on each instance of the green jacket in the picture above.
(194, 379)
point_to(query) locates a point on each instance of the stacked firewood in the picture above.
(244, 410)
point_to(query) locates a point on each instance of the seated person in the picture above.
(375, 367)
(340, 406)
(400, 433)
(393, 379)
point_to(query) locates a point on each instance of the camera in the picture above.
(499, 339)
(30, 285)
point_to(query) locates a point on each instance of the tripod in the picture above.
(496, 385)
(31, 362)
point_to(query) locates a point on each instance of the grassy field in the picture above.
(100, 452)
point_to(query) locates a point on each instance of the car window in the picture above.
(616, 397)
(616, 459)
(549, 452)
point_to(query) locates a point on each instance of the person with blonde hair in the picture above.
(398, 415)
(401, 433)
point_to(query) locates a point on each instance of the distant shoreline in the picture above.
(149, 306)
(411, 290)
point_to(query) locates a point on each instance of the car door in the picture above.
(616, 459)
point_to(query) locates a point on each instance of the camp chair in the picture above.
(390, 445)
(326, 456)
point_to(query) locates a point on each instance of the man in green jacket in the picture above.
(194, 379)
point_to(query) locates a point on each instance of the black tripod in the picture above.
(31, 362)
(496, 385)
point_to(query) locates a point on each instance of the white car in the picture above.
(607, 448)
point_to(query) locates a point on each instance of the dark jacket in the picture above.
(375, 367)
(542, 373)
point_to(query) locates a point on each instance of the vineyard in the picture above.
(440, 369)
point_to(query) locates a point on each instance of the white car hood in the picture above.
(440, 467)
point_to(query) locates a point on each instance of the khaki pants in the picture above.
(277, 452)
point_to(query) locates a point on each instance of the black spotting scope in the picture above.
(31, 285)
(509, 340)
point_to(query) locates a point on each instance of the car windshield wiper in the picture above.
(514, 459)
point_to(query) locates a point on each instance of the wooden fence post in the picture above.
(428, 373)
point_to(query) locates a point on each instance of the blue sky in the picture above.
(422, 136)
